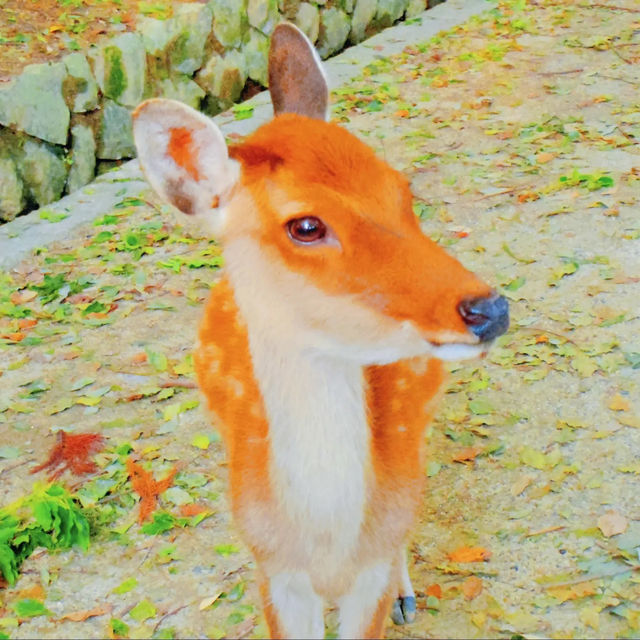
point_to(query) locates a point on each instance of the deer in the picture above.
(321, 348)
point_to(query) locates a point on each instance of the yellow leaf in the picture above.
(479, 619)
(521, 484)
(618, 403)
(628, 420)
(590, 617)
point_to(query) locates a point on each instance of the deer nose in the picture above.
(486, 317)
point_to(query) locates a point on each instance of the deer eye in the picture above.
(306, 230)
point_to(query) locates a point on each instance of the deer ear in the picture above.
(183, 155)
(296, 80)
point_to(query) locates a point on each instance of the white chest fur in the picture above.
(319, 444)
(315, 405)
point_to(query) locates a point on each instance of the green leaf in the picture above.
(201, 441)
(125, 586)
(82, 382)
(480, 406)
(157, 360)
(9, 452)
(433, 468)
(119, 628)
(30, 608)
(177, 496)
(515, 284)
(226, 549)
(143, 611)
(242, 111)
(237, 592)
(52, 216)
(162, 522)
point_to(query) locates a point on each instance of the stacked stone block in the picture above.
(63, 122)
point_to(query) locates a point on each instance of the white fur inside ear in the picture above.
(201, 177)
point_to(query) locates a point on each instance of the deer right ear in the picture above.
(183, 155)
(296, 80)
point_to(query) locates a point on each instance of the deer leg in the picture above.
(292, 608)
(403, 609)
(364, 609)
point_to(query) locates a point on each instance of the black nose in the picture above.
(485, 317)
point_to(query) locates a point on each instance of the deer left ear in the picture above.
(183, 156)
(297, 83)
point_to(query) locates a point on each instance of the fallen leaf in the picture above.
(544, 156)
(618, 403)
(521, 484)
(472, 587)
(207, 602)
(36, 592)
(590, 616)
(147, 488)
(434, 590)
(572, 592)
(81, 616)
(612, 523)
(466, 454)
(20, 297)
(72, 452)
(469, 554)
(27, 323)
(193, 509)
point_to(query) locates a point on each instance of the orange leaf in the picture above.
(193, 509)
(81, 616)
(545, 156)
(472, 587)
(72, 452)
(147, 488)
(27, 323)
(36, 592)
(401, 113)
(139, 358)
(466, 453)
(469, 554)
(14, 337)
(528, 196)
(434, 590)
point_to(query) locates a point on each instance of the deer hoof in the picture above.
(403, 610)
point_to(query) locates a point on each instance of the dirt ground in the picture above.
(43, 30)
(519, 133)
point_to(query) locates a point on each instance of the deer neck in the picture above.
(315, 405)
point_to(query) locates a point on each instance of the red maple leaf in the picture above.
(147, 488)
(72, 452)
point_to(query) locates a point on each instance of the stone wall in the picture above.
(63, 122)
